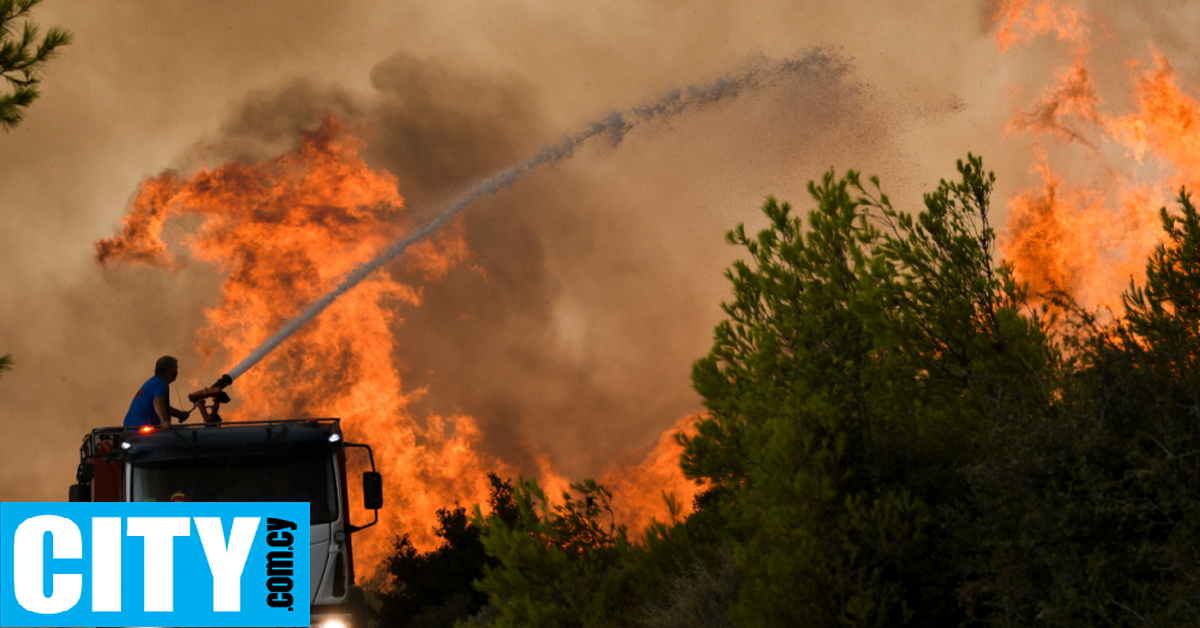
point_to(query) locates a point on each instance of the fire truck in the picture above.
(215, 461)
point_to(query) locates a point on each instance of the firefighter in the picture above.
(152, 403)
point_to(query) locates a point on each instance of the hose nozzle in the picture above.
(217, 394)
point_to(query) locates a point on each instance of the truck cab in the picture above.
(293, 461)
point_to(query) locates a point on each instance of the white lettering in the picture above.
(106, 564)
(227, 563)
(28, 570)
(159, 533)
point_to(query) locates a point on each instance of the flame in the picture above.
(1166, 124)
(1090, 238)
(283, 232)
(1074, 97)
(1020, 20)
(1064, 238)
(141, 229)
(640, 492)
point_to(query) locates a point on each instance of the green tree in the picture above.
(560, 565)
(862, 357)
(21, 60)
(23, 53)
(895, 437)
(682, 573)
(1093, 511)
(435, 588)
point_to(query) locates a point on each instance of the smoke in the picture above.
(590, 286)
(572, 332)
(814, 68)
(816, 89)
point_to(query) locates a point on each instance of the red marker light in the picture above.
(147, 428)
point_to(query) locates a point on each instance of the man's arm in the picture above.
(162, 409)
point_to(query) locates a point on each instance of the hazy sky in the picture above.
(604, 274)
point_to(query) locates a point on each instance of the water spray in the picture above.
(613, 127)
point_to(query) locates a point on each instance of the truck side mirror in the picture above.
(372, 490)
(85, 472)
(80, 493)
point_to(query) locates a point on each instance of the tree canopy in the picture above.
(21, 59)
(23, 53)
(861, 356)
(434, 588)
(896, 436)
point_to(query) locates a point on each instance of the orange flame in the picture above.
(1020, 20)
(284, 231)
(1167, 122)
(640, 492)
(1075, 97)
(141, 229)
(1091, 239)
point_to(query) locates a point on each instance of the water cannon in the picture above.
(215, 395)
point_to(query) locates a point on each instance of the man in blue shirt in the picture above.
(152, 403)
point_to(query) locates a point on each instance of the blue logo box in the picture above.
(154, 564)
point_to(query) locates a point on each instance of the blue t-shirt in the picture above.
(141, 411)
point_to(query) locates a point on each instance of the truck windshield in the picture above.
(242, 478)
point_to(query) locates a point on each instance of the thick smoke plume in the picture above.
(280, 229)
(814, 67)
(565, 313)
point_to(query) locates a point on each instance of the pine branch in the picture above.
(22, 57)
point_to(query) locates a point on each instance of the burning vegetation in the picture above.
(283, 232)
(896, 434)
(1089, 237)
